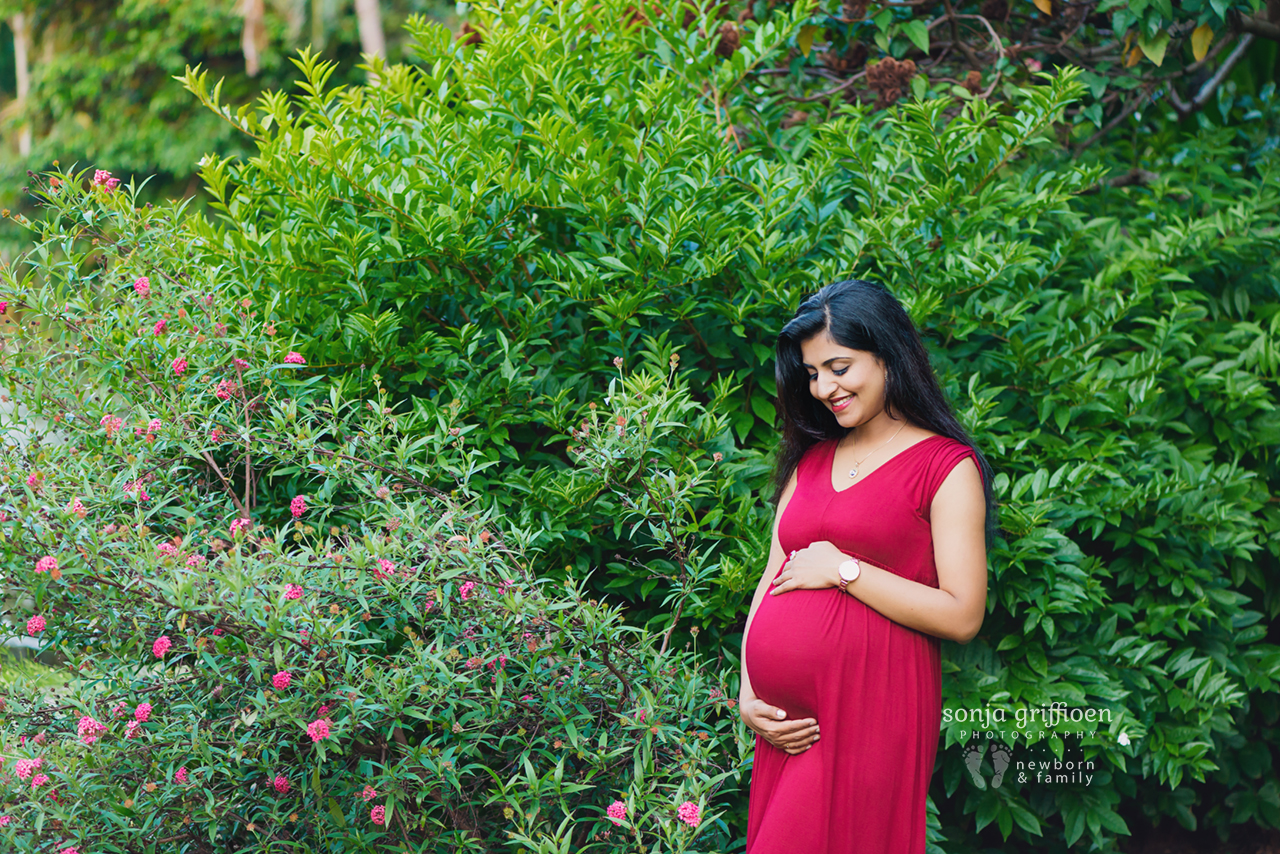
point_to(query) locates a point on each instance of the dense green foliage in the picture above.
(501, 232)
(438, 688)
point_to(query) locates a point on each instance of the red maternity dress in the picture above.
(874, 686)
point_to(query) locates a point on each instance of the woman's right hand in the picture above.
(771, 723)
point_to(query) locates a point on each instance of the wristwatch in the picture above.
(849, 572)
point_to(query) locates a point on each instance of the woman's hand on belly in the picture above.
(814, 567)
(771, 723)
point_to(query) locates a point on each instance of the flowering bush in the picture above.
(385, 643)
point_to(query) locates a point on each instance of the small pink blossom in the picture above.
(323, 711)
(281, 680)
(641, 715)
(369, 793)
(292, 591)
(39, 780)
(305, 637)
(218, 633)
(101, 177)
(180, 776)
(167, 549)
(385, 568)
(142, 714)
(160, 327)
(4, 306)
(71, 849)
(25, 767)
(240, 363)
(226, 390)
(298, 506)
(89, 729)
(35, 625)
(294, 359)
(161, 646)
(240, 525)
(220, 330)
(142, 286)
(33, 480)
(48, 563)
(465, 590)
(688, 813)
(617, 812)
(119, 709)
(132, 729)
(318, 729)
(179, 365)
(76, 508)
(195, 561)
(111, 423)
(281, 784)
(1033, 65)
(154, 425)
(4, 819)
(378, 815)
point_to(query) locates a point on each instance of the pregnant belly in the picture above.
(798, 642)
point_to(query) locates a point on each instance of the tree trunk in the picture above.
(253, 39)
(21, 45)
(369, 16)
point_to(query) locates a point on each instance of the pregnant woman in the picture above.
(879, 550)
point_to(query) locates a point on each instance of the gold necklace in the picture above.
(853, 472)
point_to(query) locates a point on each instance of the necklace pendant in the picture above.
(853, 472)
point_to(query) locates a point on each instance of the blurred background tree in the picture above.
(91, 81)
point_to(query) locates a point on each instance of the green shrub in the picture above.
(205, 515)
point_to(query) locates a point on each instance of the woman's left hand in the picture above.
(811, 568)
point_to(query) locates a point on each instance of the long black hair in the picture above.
(864, 316)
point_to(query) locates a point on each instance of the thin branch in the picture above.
(1256, 26)
(1211, 85)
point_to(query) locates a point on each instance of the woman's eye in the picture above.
(838, 373)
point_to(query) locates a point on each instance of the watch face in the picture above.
(849, 570)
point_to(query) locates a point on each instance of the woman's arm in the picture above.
(952, 610)
(776, 557)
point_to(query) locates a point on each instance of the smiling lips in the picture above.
(841, 403)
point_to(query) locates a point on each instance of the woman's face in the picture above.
(850, 383)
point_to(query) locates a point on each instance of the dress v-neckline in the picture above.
(831, 463)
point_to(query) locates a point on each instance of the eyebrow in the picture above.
(828, 361)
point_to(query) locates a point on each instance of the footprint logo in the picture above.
(1000, 756)
(973, 761)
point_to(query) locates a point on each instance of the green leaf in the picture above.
(1154, 47)
(336, 812)
(918, 32)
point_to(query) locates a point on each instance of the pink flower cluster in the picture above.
(378, 815)
(241, 524)
(385, 569)
(76, 508)
(33, 480)
(195, 561)
(240, 363)
(160, 327)
(142, 286)
(132, 729)
(292, 591)
(179, 365)
(71, 849)
(281, 784)
(369, 793)
(281, 680)
(688, 813)
(465, 590)
(318, 729)
(161, 646)
(89, 729)
(4, 819)
(143, 713)
(48, 563)
(180, 776)
(24, 768)
(39, 780)
(294, 359)
(35, 625)
(226, 390)
(102, 178)
(617, 812)
(167, 549)
(298, 506)
(136, 487)
(111, 423)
